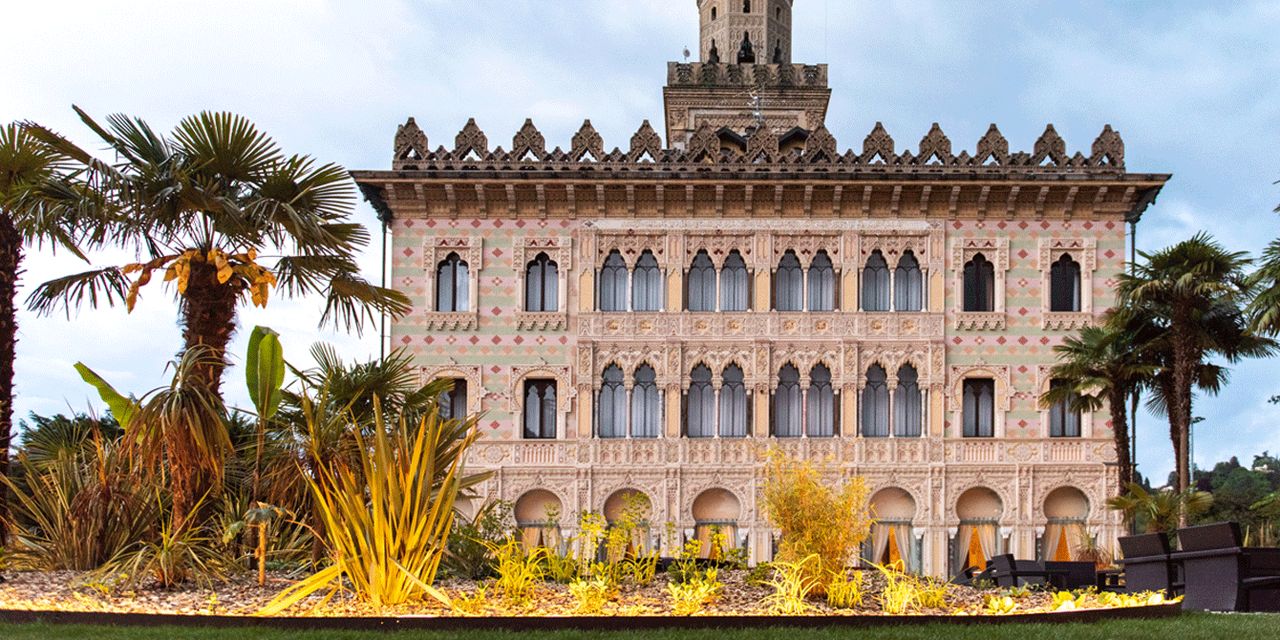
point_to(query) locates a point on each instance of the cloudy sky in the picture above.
(1190, 85)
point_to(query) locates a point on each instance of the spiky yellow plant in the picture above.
(792, 583)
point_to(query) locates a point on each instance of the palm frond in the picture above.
(96, 288)
(352, 300)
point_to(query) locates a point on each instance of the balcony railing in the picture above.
(760, 324)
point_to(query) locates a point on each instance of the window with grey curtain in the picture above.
(734, 290)
(875, 403)
(821, 420)
(540, 409)
(733, 403)
(978, 407)
(701, 288)
(613, 283)
(646, 284)
(612, 404)
(786, 403)
(788, 284)
(541, 284)
(644, 403)
(453, 403)
(452, 288)
(700, 404)
(906, 404)
(979, 284)
(908, 284)
(1064, 419)
(1064, 285)
(875, 283)
(822, 283)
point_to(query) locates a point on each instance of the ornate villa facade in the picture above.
(648, 318)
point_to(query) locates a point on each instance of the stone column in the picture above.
(672, 414)
(761, 291)
(760, 416)
(586, 410)
(937, 288)
(935, 411)
(587, 291)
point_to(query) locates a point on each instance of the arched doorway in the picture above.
(977, 538)
(1067, 510)
(892, 542)
(715, 515)
(538, 519)
(628, 513)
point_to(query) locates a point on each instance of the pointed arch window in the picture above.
(646, 284)
(875, 403)
(541, 284)
(453, 402)
(540, 409)
(1064, 285)
(979, 284)
(908, 284)
(733, 403)
(822, 283)
(1064, 416)
(746, 6)
(452, 284)
(907, 415)
(978, 408)
(786, 403)
(701, 292)
(613, 283)
(612, 404)
(645, 403)
(821, 418)
(700, 404)
(735, 292)
(788, 283)
(875, 283)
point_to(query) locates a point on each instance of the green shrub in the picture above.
(519, 571)
(467, 553)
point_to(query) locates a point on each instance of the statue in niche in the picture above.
(713, 56)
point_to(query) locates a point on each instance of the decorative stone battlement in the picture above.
(707, 74)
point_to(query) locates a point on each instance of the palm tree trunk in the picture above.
(209, 320)
(1184, 363)
(10, 259)
(1120, 429)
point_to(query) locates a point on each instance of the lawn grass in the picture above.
(1186, 627)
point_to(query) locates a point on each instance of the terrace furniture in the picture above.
(970, 575)
(1223, 575)
(1009, 572)
(1073, 575)
(1110, 580)
(1148, 565)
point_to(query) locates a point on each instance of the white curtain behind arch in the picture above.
(700, 407)
(875, 403)
(822, 283)
(875, 283)
(821, 418)
(786, 403)
(613, 283)
(788, 283)
(646, 284)
(1064, 285)
(908, 284)
(733, 403)
(541, 284)
(613, 404)
(702, 283)
(734, 290)
(452, 285)
(906, 403)
(644, 403)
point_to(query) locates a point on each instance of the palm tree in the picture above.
(1193, 292)
(1104, 362)
(1163, 510)
(31, 210)
(204, 207)
(1264, 309)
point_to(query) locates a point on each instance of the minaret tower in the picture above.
(744, 77)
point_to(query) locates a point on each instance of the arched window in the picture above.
(875, 283)
(646, 284)
(746, 6)
(613, 283)
(1064, 285)
(875, 404)
(733, 403)
(735, 293)
(1064, 417)
(906, 404)
(453, 402)
(786, 403)
(822, 283)
(700, 405)
(713, 13)
(452, 286)
(540, 409)
(979, 284)
(822, 403)
(644, 403)
(908, 284)
(541, 284)
(978, 407)
(788, 283)
(701, 292)
(612, 405)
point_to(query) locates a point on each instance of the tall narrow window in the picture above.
(540, 409)
(979, 408)
(908, 284)
(612, 404)
(700, 406)
(822, 283)
(701, 294)
(1064, 417)
(979, 284)
(613, 283)
(746, 6)
(733, 403)
(453, 402)
(644, 403)
(734, 290)
(788, 283)
(875, 283)
(646, 284)
(822, 402)
(906, 404)
(875, 403)
(786, 403)
(1064, 285)
(541, 284)
(452, 286)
